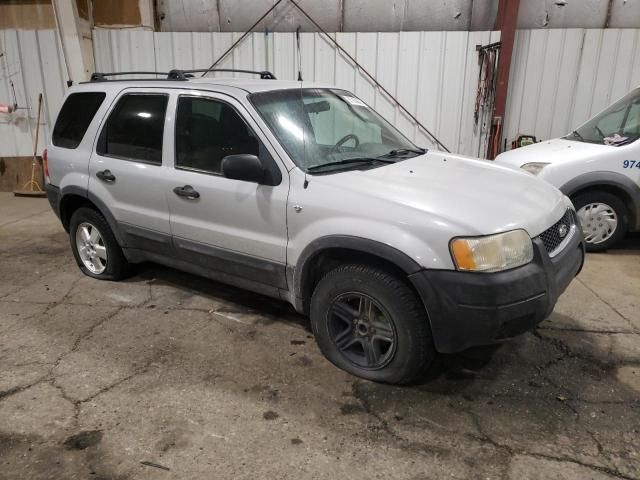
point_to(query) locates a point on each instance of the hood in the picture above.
(551, 151)
(470, 196)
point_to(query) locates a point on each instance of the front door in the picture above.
(126, 171)
(234, 227)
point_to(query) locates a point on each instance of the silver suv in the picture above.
(304, 193)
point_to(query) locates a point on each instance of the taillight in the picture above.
(45, 166)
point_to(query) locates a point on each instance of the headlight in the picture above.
(492, 253)
(534, 168)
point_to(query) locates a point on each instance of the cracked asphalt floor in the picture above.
(167, 375)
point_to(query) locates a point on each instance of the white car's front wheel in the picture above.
(603, 217)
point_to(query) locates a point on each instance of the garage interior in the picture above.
(169, 375)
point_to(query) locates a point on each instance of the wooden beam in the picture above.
(506, 22)
(77, 42)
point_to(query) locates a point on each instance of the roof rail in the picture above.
(184, 74)
(102, 77)
(179, 75)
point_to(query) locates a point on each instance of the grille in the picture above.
(551, 237)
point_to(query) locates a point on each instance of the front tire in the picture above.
(603, 217)
(371, 324)
(94, 246)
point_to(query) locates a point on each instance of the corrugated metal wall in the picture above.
(561, 78)
(433, 74)
(33, 61)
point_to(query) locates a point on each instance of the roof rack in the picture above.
(102, 77)
(185, 74)
(179, 75)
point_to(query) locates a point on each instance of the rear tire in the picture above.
(604, 219)
(94, 246)
(371, 324)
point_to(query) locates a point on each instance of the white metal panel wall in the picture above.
(33, 61)
(433, 74)
(561, 78)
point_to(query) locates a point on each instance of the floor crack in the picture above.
(597, 295)
(483, 437)
(14, 390)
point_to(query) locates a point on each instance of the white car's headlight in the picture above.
(534, 167)
(492, 253)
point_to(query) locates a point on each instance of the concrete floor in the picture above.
(207, 381)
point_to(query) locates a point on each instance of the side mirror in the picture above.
(245, 167)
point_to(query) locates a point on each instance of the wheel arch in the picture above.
(325, 253)
(72, 198)
(611, 182)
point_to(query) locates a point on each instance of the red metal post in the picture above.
(506, 22)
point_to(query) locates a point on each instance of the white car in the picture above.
(598, 167)
(308, 195)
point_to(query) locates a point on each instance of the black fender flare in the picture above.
(66, 191)
(298, 274)
(100, 205)
(609, 179)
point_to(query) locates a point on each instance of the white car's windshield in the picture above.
(325, 130)
(617, 125)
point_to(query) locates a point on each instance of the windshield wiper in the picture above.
(575, 133)
(403, 151)
(348, 161)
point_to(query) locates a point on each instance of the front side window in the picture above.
(74, 118)
(134, 128)
(328, 129)
(207, 131)
(617, 125)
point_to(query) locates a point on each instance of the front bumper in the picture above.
(467, 309)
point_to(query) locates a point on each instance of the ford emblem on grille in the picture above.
(563, 230)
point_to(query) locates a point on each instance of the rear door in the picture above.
(235, 227)
(126, 172)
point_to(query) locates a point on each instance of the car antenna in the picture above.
(299, 54)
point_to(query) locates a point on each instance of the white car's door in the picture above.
(126, 171)
(234, 227)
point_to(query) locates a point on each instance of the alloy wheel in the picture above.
(362, 330)
(91, 248)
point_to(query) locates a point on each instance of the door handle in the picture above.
(187, 192)
(106, 176)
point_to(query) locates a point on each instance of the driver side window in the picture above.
(208, 130)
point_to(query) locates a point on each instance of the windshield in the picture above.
(617, 125)
(328, 129)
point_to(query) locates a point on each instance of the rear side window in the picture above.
(74, 118)
(134, 128)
